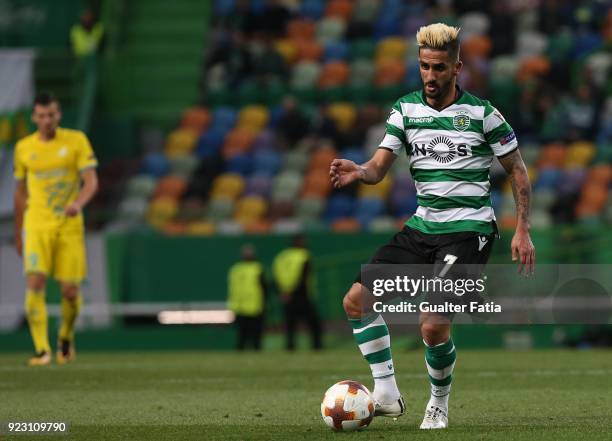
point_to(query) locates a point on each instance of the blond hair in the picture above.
(439, 36)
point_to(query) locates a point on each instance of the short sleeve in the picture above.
(395, 136)
(498, 133)
(19, 168)
(86, 158)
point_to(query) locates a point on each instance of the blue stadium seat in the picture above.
(224, 7)
(241, 164)
(386, 25)
(155, 164)
(335, 50)
(276, 113)
(312, 8)
(403, 203)
(266, 162)
(224, 118)
(210, 143)
(355, 154)
(259, 185)
(367, 209)
(265, 140)
(548, 178)
(339, 206)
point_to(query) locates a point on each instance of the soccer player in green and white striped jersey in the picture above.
(451, 138)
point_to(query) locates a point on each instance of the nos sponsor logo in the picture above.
(441, 148)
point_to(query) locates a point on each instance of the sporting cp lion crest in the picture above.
(461, 122)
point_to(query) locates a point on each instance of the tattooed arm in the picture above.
(522, 247)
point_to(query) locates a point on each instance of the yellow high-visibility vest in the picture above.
(83, 42)
(245, 293)
(288, 267)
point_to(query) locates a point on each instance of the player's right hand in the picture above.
(344, 172)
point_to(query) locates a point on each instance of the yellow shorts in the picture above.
(57, 253)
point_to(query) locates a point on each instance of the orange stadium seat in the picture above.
(552, 155)
(301, 29)
(308, 50)
(533, 67)
(171, 187)
(238, 140)
(321, 159)
(196, 119)
(339, 8)
(346, 225)
(317, 184)
(389, 73)
(334, 73)
(477, 46)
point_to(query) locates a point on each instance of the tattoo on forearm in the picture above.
(521, 188)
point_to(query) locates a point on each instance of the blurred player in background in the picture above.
(293, 276)
(56, 178)
(451, 137)
(247, 292)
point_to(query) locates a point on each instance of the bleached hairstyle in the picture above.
(440, 37)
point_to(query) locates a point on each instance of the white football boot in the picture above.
(435, 418)
(392, 410)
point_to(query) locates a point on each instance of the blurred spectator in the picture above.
(86, 36)
(246, 298)
(581, 115)
(293, 125)
(292, 269)
(232, 54)
(268, 65)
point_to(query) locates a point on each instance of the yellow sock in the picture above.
(36, 312)
(70, 311)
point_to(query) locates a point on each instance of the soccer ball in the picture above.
(347, 406)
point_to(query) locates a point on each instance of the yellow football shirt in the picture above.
(52, 170)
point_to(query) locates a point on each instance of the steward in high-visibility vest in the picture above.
(247, 297)
(292, 270)
(86, 36)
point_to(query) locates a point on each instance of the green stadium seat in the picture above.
(141, 186)
(310, 207)
(330, 29)
(219, 209)
(362, 72)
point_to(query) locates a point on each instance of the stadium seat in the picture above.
(296, 160)
(345, 225)
(362, 72)
(266, 162)
(239, 140)
(334, 73)
(339, 206)
(219, 209)
(250, 209)
(317, 183)
(342, 9)
(305, 75)
(224, 7)
(389, 73)
(312, 9)
(386, 25)
(161, 211)
(365, 10)
(476, 47)
(363, 49)
(200, 228)
(288, 49)
(548, 178)
(210, 142)
(335, 50)
(228, 186)
(156, 165)
(321, 159)
(380, 190)
(308, 50)
(391, 48)
(196, 119)
(572, 180)
(330, 29)
(357, 155)
(301, 29)
(579, 154)
(310, 207)
(382, 224)
(170, 187)
(253, 117)
(181, 141)
(259, 185)
(552, 156)
(224, 118)
(141, 186)
(183, 165)
(367, 209)
(265, 140)
(240, 163)
(343, 114)
(286, 185)
(133, 208)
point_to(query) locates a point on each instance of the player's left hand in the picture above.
(73, 209)
(523, 251)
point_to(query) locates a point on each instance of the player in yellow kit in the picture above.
(56, 178)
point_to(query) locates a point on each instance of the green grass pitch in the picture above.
(497, 395)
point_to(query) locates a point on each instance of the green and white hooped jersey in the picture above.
(450, 153)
